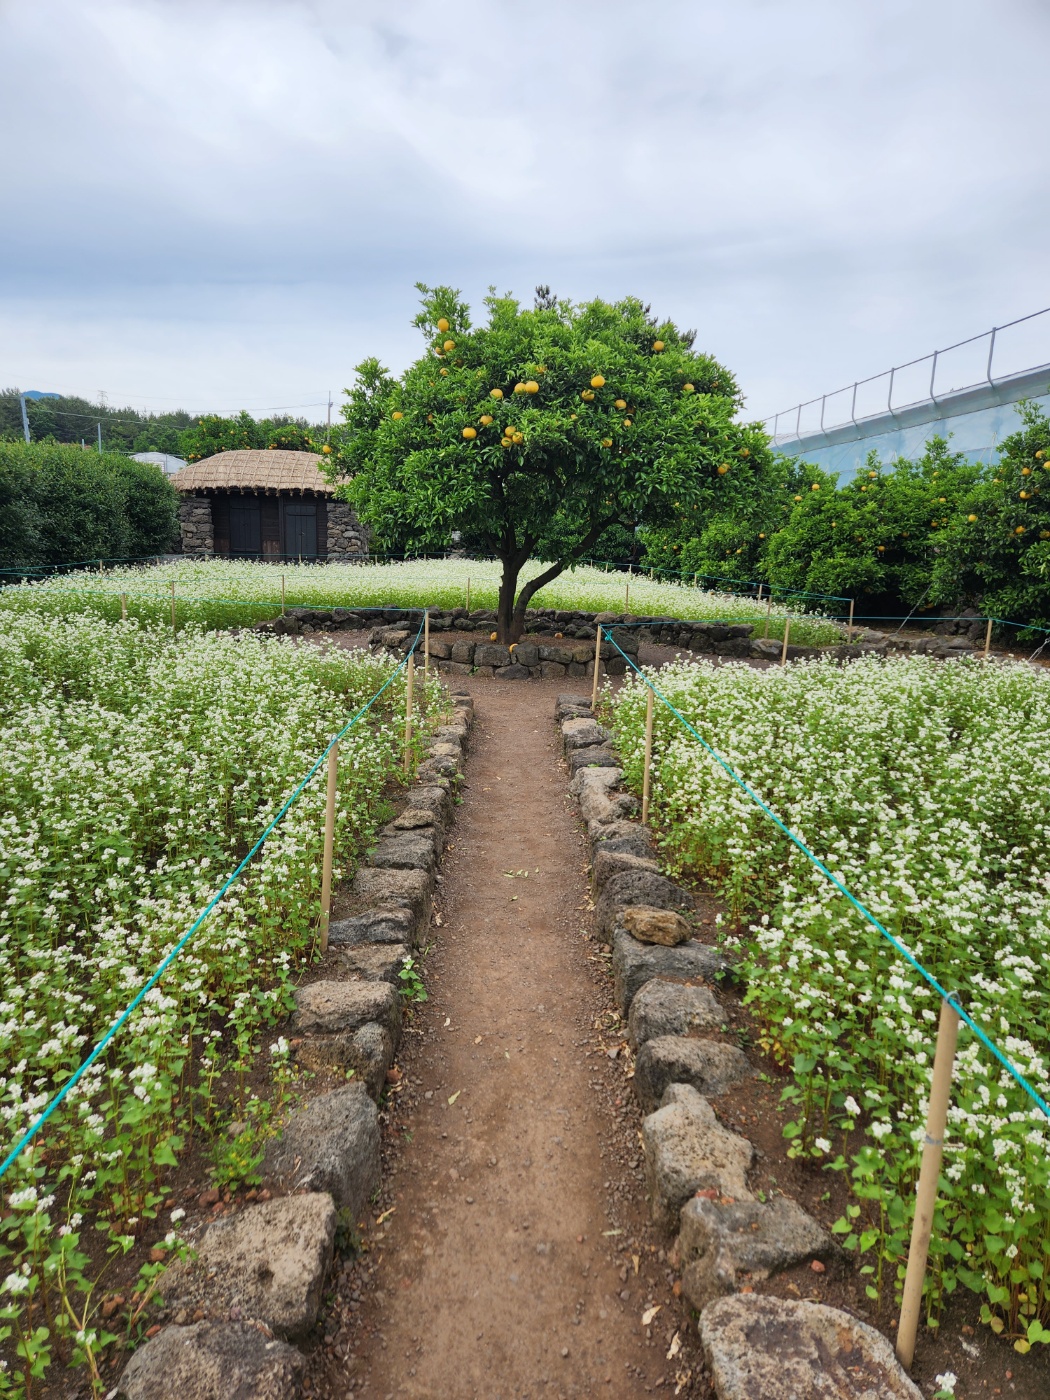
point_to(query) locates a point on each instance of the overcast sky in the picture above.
(227, 203)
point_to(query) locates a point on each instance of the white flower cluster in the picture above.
(221, 592)
(925, 788)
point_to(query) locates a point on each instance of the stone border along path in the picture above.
(553, 644)
(756, 1348)
(257, 1283)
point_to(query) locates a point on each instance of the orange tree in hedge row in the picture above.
(536, 434)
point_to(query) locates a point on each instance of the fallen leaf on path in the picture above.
(675, 1347)
(650, 1313)
(477, 1040)
(636, 1261)
(607, 1233)
(454, 1097)
(386, 1215)
(448, 1020)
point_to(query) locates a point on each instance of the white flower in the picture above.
(15, 1283)
(852, 1106)
(948, 1381)
(176, 1215)
(822, 1144)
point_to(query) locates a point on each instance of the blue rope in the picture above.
(121, 1020)
(866, 913)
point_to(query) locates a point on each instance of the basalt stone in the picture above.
(670, 1008)
(601, 756)
(409, 888)
(722, 1246)
(416, 850)
(572, 706)
(440, 651)
(710, 1066)
(367, 1053)
(661, 926)
(583, 733)
(434, 797)
(637, 887)
(562, 655)
(486, 671)
(491, 654)
(763, 1348)
(269, 1261)
(621, 838)
(551, 670)
(634, 964)
(411, 819)
(331, 1144)
(451, 734)
(231, 1360)
(463, 652)
(607, 863)
(578, 668)
(595, 790)
(526, 654)
(371, 962)
(513, 672)
(324, 1008)
(455, 668)
(686, 1150)
(391, 925)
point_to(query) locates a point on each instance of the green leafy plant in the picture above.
(410, 983)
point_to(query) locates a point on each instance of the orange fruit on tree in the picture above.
(745, 452)
(397, 414)
(658, 345)
(442, 324)
(972, 519)
(762, 535)
(443, 372)
(1026, 471)
(815, 486)
(597, 381)
(495, 393)
(627, 422)
(1019, 530)
(518, 437)
(1024, 495)
(531, 387)
(688, 388)
(607, 442)
(486, 418)
(621, 404)
(882, 549)
(326, 448)
(449, 345)
(469, 433)
(723, 467)
(587, 395)
(505, 442)
(873, 475)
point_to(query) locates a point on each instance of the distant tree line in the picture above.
(71, 419)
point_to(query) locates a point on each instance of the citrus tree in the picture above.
(536, 434)
(996, 552)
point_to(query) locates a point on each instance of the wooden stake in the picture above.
(123, 607)
(597, 663)
(769, 609)
(282, 595)
(784, 648)
(694, 580)
(329, 844)
(849, 629)
(173, 605)
(100, 566)
(410, 680)
(926, 1195)
(468, 595)
(988, 639)
(648, 754)
(627, 598)
(426, 647)
(760, 593)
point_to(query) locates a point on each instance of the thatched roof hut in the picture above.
(268, 504)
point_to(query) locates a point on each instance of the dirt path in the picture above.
(500, 1272)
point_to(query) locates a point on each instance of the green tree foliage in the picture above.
(538, 433)
(212, 433)
(60, 504)
(73, 419)
(995, 552)
(879, 535)
(730, 545)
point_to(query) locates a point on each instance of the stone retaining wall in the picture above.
(727, 1238)
(255, 1288)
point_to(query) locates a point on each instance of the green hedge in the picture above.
(59, 503)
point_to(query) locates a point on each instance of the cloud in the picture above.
(230, 201)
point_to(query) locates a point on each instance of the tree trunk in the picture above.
(505, 614)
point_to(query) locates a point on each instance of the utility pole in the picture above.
(100, 438)
(25, 416)
(328, 433)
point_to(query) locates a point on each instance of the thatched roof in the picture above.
(254, 470)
